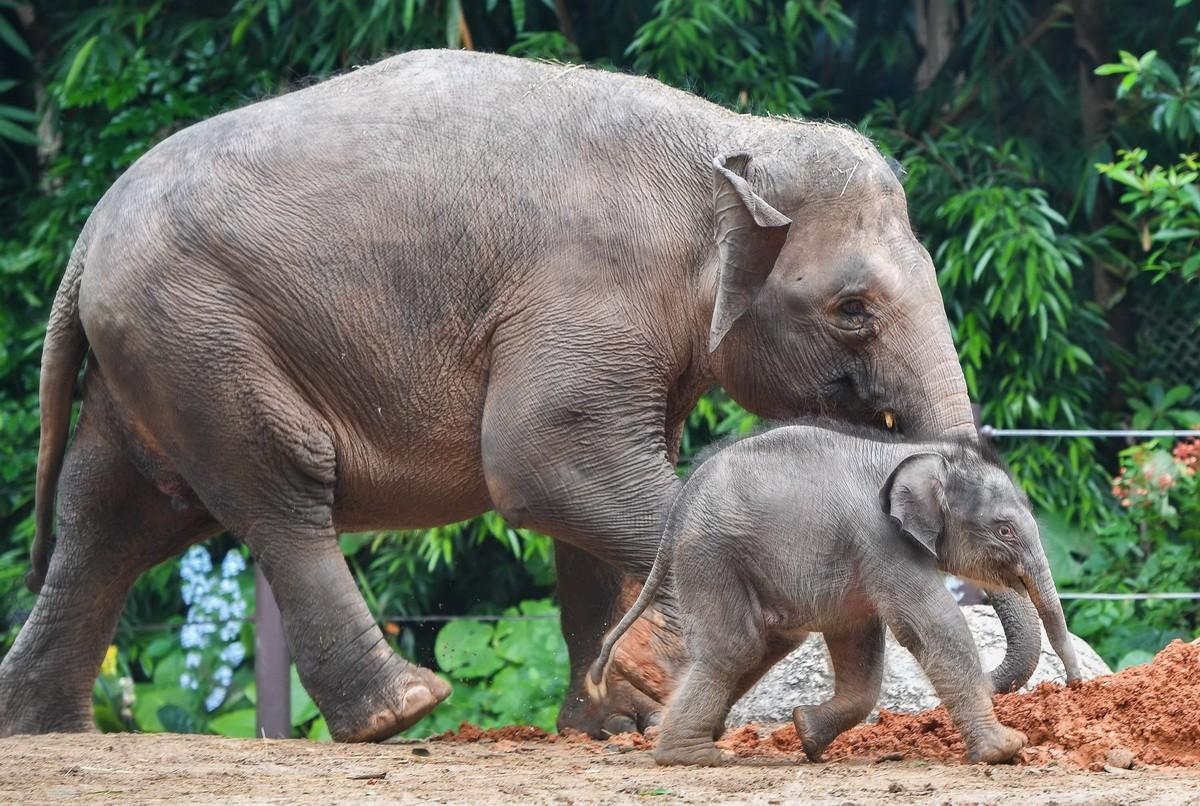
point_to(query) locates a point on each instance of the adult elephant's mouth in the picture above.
(841, 399)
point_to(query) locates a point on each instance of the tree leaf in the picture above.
(77, 64)
(303, 707)
(18, 134)
(13, 39)
(464, 649)
(239, 724)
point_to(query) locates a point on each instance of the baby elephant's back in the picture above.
(793, 485)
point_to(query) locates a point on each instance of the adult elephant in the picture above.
(446, 283)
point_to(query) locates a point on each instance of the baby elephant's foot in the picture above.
(701, 755)
(997, 745)
(813, 732)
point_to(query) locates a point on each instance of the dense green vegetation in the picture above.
(1050, 170)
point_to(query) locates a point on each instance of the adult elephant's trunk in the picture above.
(944, 410)
(1045, 598)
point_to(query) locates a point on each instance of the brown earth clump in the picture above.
(512, 733)
(1151, 711)
(1148, 714)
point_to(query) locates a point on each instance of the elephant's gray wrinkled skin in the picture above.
(446, 283)
(805, 529)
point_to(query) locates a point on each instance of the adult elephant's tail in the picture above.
(62, 355)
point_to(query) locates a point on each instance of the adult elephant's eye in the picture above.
(852, 317)
(853, 308)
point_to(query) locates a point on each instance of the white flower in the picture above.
(234, 654)
(196, 562)
(127, 695)
(230, 630)
(223, 675)
(233, 564)
(192, 660)
(191, 637)
(214, 699)
(187, 680)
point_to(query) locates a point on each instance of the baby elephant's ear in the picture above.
(914, 496)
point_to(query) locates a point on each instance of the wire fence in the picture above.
(440, 618)
(428, 618)
(989, 432)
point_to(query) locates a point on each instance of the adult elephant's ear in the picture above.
(750, 234)
(914, 496)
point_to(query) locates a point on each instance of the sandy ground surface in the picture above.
(204, 769)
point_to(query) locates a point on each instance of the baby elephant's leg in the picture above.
(857, 657)
(724, 648)
(697, 712)
(931, 626)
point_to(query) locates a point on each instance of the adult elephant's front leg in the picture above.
(581, 456)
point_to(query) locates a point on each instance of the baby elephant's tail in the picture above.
(597, 686)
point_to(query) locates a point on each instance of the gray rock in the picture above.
(804, 677)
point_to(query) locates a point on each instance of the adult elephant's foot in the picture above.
(391, 703)
(647, 665)
(26, 710)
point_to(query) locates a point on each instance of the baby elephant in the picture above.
(810, 529)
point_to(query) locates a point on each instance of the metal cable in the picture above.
(990, 432)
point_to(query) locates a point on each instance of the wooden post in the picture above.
(272, 665)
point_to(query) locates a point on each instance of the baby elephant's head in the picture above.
(967, 512)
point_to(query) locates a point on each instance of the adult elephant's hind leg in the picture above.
(113, 524)
(268, 473)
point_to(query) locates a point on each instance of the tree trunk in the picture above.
(935, 23)
(1095, 93)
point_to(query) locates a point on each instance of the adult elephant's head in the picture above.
(826, 303)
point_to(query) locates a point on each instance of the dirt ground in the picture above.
(204, 769)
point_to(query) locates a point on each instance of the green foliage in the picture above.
(728, 50)
(1150, 83)
(511, 672)
(1153, 546)
(1161, 212)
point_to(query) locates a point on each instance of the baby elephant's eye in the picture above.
(1005, 532)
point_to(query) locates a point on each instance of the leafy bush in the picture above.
(1152, 544)
(1162, 210)
(511, 672)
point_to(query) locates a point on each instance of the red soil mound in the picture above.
(1150, 711)
(1147, 714)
